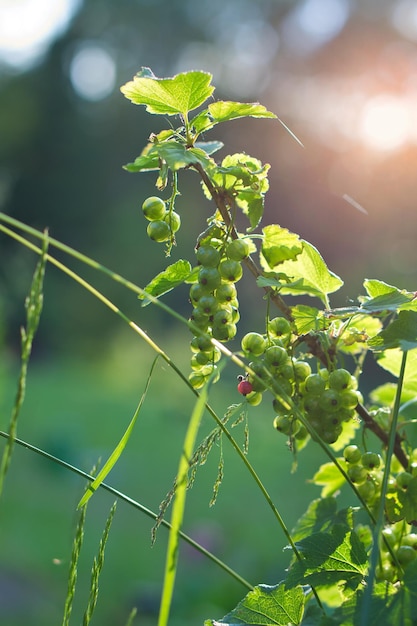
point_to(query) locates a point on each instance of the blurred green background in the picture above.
(343, 76)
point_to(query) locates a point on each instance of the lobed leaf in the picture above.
(330, 557)
(169, 96)
(266, 606)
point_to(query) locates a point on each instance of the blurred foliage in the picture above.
(61, 155)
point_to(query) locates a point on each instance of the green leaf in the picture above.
(384, 394)
(143, 163)
(115, 455)
(178, 507)
(330, 557)
(168, 279)
(177, 156)
(266, 606)
(279, 245)
(320, 515)
(307, 318)
(330, 477)
(309, 275)
(401, 333)
(222, 111)
(391, 361)
(169, 96)
(252, 205)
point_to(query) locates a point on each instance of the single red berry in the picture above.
(244, 387)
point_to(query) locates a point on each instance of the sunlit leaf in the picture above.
(143, 163)
(307, 318)
(330, 557)
(165, 281)
(400, 333)
(223, 111)
(330, 477)
(169, 96)
(279, 245)
(177, 156)
(266, 606)
(309, 275)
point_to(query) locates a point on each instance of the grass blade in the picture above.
(33, 306)
(113, 458)
(96, 569)
(72, 576)
(178, 508)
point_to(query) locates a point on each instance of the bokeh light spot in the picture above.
(313, 23)
(27, 28)
(93, 72)
(384, 123)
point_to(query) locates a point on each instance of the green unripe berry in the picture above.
(352, 454)
(222, 317)
(403, 480)
(357, 474)
(311, 404)
(204, 343)
(330, 400)
(371, 460)
(276, 356)
(173, 220)
(284, 424)
(197, 379)
(154, 208)
(349, 399)
(331, 436)
(279, 326)
(158, 231)
(254, 398)
(231, 271)
(253, 344)
(226, 292)
(226, 332)
(302, 369)
(208, 304)
(314, 384)
(196, 292)
(405, 555)
(237, 250)
(410, 540)
(340, 380)
(208, 256)
(209, 277)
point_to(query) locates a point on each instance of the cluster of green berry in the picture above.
(163, 223)
(398, 545)
(214, 299)
(326, 399)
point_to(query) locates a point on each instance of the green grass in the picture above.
(78, 411)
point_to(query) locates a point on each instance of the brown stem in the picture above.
(223, 201)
